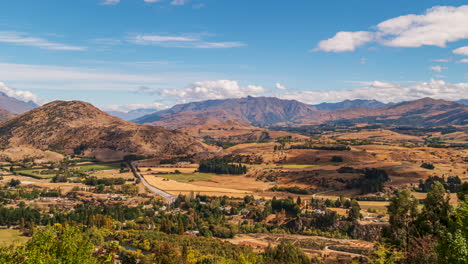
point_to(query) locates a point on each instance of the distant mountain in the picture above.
(74, 126)
(367, 104)
(267, 111)
(14, 105)
(260, 111)
(463, 101)
(422, 112)
(133, 114)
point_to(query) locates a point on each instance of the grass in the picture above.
(10, 237)
(98, 167)
(31, 173)
(298, 166)
(190, 177)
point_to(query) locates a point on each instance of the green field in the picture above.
(35, 174)
(189, 177)
(298, 166)
(10, 237)
(98, 167)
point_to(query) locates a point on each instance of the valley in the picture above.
(325, 190)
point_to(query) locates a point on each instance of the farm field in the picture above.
(10, 237)
(98, 167)
(187, 177)
(176, 188)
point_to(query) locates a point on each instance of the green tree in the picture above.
(403, 212)
(54, 245)
(355, 211)
(437, 210)
(384, 254)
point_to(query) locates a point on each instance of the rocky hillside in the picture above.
(5, 115)
(75, 126)
(260, 111)
(359, 103)
(267, 111)
(422, 112)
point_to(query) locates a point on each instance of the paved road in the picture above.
(169, 198)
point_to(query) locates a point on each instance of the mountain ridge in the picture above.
(267, 111)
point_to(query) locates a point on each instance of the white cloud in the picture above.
(182, 42)
(25, 96)
(385, 92)
(437, 68)
(436, 27)
(152, 1)
(179, 2)
(23, 39)
(41, 73)
(463, 61)
(219, 89)
(345, 41)
(461, 51)
(110, 2)
(441, 60)
(129, 107)
(279, 86)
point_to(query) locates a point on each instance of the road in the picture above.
(169, 198)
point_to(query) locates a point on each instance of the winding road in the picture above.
(169, 198)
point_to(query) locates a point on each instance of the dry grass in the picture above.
(9, 237)
(176, 188)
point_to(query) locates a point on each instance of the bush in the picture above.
(337, 159)
(428, 166)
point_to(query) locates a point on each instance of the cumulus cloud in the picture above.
(25, 96)
(24, 39)
(437, 68)
(192, 41)
(461, 51)
(345, 41)
(279, 86)
(436, 27)
(385, 92)
(219, 89)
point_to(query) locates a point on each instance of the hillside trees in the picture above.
(221, 166)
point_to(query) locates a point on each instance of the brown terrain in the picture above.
(80, 127)
(265, 111)
(5, 115)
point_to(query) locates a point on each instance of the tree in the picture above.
(286, 252)
(437, 210)
(403, 212)
(57, 244)
(384, 254)
(355, 211)
(453, 246)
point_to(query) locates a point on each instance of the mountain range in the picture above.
(271, 111)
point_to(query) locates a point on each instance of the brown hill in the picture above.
(422, 112)
(236, 131)
(254, 110)
(76, 126)
(5, 115)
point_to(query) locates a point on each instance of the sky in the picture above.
(129, 54)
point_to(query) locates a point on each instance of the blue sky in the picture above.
(145, 53)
